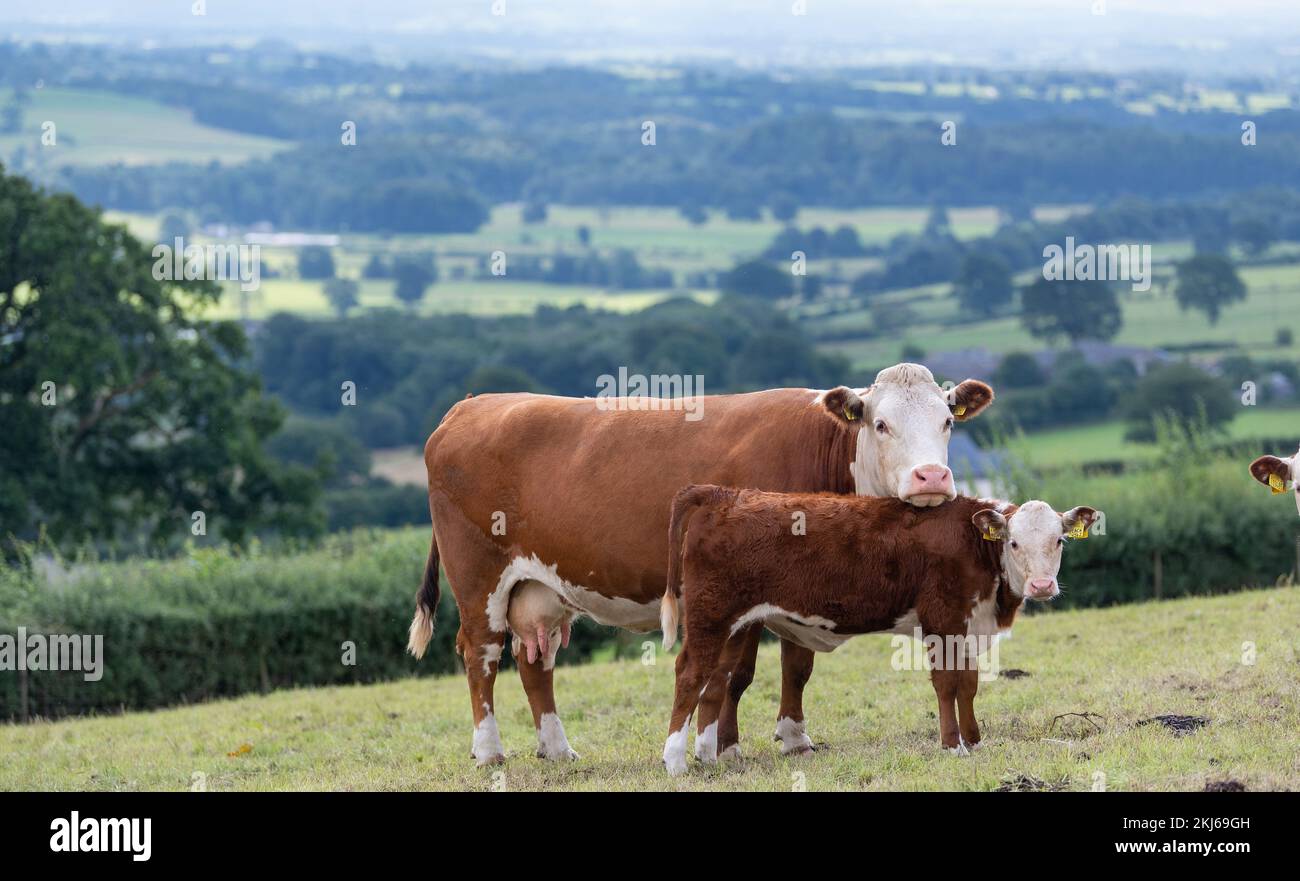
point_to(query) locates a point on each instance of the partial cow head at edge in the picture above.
(1276, 473)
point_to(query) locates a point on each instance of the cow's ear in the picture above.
(1272, 472)
(969, 399)
(843, 403)
(1077, 521)
(991, 524)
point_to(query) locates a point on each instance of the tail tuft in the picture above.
(426, 603)
(669, 615)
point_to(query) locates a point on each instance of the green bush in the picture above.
(216, 624)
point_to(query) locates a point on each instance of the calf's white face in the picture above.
(1276, 473)
(907, 420)
(1032, 538)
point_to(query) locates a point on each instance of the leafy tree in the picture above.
(172, 227)
(983, 284)
(342, 294)
(584, 236)
(695, 214)
(1181, 393)
(1255, 235)
(1076, 310)
(757, 279)
(1208, 282)
(1019, 370)
(534, 212)
(414, 275)
(784, 208)
(315, 262)
(937, 223)
(121, 412)
(376, 267)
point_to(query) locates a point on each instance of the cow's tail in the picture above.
(684, 504)
(426, 603)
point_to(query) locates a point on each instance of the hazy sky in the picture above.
(1224, 34)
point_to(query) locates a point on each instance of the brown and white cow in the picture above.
(574, 494)
(1276, 473)
(817, 569)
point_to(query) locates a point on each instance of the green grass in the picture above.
(1125, 663)
(307, 298)
(1151, 319)
(1104, 441)
(97, 128)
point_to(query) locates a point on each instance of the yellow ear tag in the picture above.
(1277, 484)
(959, 410)
(848, 414)
(992, 534)
(1078, 530)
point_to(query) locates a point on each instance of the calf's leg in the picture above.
(719, 733)
(946, 686)
(696, 663)
(796, 668)
(967, 685)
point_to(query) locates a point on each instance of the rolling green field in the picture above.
(1151, 319)
(96, 128)
(1231, 659)
(1105, 441)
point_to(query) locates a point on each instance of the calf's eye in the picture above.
(881, 427)
(1014, 545)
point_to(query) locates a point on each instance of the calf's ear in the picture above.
(1272, 472)
(1077, 521)
(843, 403)
(968, 399)
(991, 524)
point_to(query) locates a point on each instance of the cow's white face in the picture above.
(1276, 474)
(1032, 538)
(907, 420)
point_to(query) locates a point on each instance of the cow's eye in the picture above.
(948, 425)
(1014, 544)
(881, 426)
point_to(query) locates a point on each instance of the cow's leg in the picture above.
(696, 663)
(480, 647)
(718, 735)
(946, 686)
(538, 679)
(796, 668)
(967, 685)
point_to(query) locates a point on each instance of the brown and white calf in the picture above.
(1276, 473)
(573, 495)
(818, 569)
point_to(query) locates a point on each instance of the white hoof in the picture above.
(706, 745)
(552, 744)
(487, 749)
(730, 754)
(960, 749)
(794, 740)
(675, 752)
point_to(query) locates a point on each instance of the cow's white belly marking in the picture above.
(810, 631)
(615, 611)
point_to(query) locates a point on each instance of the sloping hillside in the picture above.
(1234, 659)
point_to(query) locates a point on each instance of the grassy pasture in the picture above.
(1126, 664)
(98, 128)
